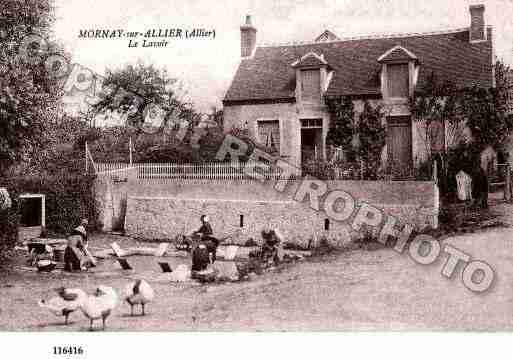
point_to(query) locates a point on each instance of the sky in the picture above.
(205, 67)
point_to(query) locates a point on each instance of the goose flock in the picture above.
(100, 304)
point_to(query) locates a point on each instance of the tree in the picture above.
(436, 103)
(482, 110)
(372, 133)
(218, 117)
(342, 121)
(142, 93)
(361, 135)
(29, 95)
(485, 111)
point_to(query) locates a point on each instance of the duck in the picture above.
(138, 292)
(100, 304)
(67, 301)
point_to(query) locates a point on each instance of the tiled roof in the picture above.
(268, 75)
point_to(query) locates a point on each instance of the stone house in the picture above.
(278, 91)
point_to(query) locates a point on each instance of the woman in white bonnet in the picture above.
(81, 231)
(76, 256)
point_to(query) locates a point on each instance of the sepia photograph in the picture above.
(310, 166)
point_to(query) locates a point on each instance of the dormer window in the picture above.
(398, 80)
(399, 73)
(311, 78)
(311, 85)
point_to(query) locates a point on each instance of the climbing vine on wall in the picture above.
(361, 134)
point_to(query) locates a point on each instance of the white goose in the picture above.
(138, 292)
(99, 305)
(68, 301)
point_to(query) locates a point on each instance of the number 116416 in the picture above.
(68, 350)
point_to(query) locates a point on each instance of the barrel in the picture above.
(58, 254)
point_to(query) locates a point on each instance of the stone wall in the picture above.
(163, 210)
(111, 196)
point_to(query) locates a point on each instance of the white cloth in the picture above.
(5, 199)
(464, 182)
(180, 274)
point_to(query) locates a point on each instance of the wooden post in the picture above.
(435, 171)
(130, 145)
(86, 151)
(507, 187)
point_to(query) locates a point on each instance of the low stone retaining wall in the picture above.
(239, 209)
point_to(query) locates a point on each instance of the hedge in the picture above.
(69, 198)
(8, 232)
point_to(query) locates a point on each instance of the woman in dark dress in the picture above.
(76, 254)
(206, 234)
(272, 239)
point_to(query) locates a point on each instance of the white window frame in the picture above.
(43, 205)
(280, 129)
(312, 119)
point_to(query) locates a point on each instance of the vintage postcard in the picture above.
(243, 166)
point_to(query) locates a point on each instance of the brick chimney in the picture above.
(477, 24)
(247, 38)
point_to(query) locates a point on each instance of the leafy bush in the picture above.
(197, 145)
(8, 232)
(361, 134)
(355, 171)
(69, 198)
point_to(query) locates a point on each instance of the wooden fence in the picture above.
(220, 170)
(155, 171)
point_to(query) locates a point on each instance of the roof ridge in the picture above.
(367, 37)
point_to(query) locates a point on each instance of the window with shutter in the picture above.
(269, 134)
(311, 85)
(398, 80)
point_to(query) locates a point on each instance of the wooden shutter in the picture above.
(269, 134)
(399, 142)
(398, 80)
(311, 85)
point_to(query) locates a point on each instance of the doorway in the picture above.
(311, 140)
(32, 216)
(399, 142)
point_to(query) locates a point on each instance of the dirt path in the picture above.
(354, 290)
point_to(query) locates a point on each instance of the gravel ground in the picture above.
(354, 290)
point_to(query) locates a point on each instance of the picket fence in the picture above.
(156, 171)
